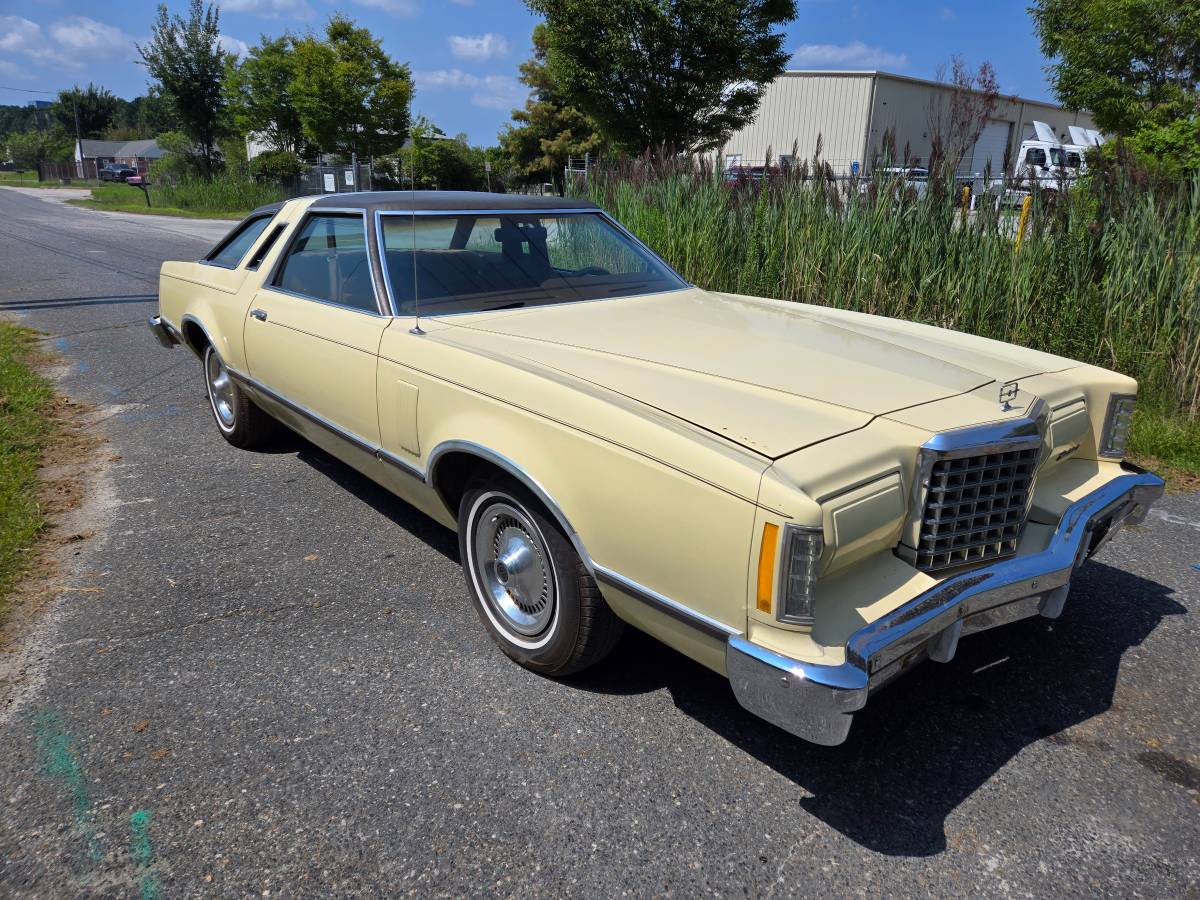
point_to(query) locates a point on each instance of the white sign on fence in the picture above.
(330, 186)
(350, 177)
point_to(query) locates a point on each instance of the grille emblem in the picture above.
(1008, 393)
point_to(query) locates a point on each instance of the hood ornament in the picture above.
(1008, 393)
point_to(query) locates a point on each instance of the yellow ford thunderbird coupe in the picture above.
(807, 500)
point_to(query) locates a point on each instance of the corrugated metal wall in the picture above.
(797, 108)
(904, 106)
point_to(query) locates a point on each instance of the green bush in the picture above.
(277, 165)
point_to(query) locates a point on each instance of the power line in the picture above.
(4, 87)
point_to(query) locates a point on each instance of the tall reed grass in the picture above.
(1112, 283)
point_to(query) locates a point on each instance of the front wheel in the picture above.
(531, 590)
(241, 422)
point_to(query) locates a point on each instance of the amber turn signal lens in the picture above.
(766, 566)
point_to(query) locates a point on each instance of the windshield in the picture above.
(474, 263)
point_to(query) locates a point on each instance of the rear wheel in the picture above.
(530, 588)
(240, 422)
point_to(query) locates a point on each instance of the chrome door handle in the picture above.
(260, 314)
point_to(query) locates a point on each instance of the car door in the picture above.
(313, 330)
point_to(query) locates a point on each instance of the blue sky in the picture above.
(464, 53)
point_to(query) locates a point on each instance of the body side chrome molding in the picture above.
(685, 614)
(336, 430)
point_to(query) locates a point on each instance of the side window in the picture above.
(264, 248)
(231, 250)
(328, 261)
(1036, 156)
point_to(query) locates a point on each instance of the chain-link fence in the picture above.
(341, 179)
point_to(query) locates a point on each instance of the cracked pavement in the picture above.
(280, 686)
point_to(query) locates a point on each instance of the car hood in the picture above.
(774, 377)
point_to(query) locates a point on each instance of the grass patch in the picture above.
(1169, 445)
(139, 206)
(26, 428)
(225, 197)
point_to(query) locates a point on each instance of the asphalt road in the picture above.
(281, 687)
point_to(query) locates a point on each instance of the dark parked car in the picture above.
(117, 172)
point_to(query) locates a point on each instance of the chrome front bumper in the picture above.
(818, 702)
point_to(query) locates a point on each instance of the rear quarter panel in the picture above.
(210, 296)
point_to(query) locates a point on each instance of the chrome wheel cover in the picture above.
(221, 390)
(513, 570)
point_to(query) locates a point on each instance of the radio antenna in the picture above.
(416, 329)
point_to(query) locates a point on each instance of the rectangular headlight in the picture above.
(802, 548)
(1115, 436)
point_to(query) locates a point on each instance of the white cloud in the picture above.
(396, 7)
(271, 9)
(946, 14)
(478, 47)
(81, 34)
(487, 91)
(855, 55)
(70, 42)
(19, 34)
(233, 45)
(463, 2)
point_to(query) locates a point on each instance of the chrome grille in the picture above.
(975, 506)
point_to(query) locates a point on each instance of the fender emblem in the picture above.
(1008, 393)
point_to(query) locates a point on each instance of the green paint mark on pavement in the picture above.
(142, 852)
(57, 752)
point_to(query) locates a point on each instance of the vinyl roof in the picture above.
(450, 201)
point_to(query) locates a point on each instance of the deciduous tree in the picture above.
(957, 114)
(95, 106)
(30, 148)
(1135, 64)
(680, 74)
(351, 97)
(259, 92)
(185, 57)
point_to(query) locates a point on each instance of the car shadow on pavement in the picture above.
(411, 519)
(926, 743)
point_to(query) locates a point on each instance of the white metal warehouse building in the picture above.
(851, 111)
